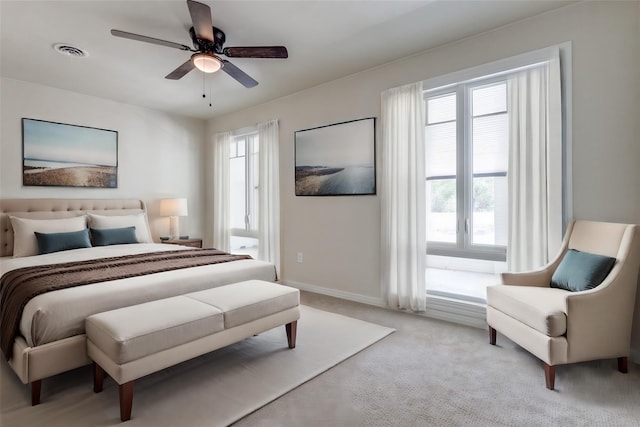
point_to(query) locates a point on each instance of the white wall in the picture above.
(159, 155)
(340, 235)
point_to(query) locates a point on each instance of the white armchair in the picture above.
(560, 326)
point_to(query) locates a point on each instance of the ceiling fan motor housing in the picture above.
(203, 45)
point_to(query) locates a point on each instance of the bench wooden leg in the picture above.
(36, 387)
(98, 378)
(126, 400)
(623, 365)
(291, 333)
(549, 375)
(492, 336)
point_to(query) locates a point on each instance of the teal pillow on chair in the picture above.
(55, 242)
(579, 271)
(113, 236)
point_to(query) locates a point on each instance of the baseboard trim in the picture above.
(350, 296)
(442, 308)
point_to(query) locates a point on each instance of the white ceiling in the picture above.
(325, 39)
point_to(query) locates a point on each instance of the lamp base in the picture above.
(174, 226)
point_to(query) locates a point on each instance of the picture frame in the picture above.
(337, 159)
(65, 155)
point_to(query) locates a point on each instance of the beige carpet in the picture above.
(431, 373)
(213, 390)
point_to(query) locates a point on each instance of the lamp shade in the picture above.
(173, 207)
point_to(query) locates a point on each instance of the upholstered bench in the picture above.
(131, 342)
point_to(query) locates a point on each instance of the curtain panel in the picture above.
(535, 166)
(403, 198)
(221, 216)
(269, 193)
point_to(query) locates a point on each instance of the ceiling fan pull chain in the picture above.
(203, 95)
(210, 94)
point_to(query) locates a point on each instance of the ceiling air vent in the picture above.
(68, 50)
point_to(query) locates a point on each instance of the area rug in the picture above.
(216, 389)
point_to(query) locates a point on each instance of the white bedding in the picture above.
(60, 314)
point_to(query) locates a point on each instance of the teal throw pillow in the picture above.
(579, 271)
(55, 242)
(113, 236)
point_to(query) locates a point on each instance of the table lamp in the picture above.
(173, 208)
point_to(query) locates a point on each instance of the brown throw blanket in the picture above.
(18, 286)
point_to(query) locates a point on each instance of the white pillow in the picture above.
(139, 221)
(24, 238)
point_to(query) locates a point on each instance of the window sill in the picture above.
(460, 285)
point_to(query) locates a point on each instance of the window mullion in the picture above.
(252, 202)
(460, 150)
(247, 183)
(468, 166)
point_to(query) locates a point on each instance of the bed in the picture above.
(51, 338)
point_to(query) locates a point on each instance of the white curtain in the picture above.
(221, 221)
(535, 166)
(403, 199)
(269, 194)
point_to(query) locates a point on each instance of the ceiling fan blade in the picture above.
(256, 52)
(245, 79)
(180, 72)
(146, 39)
(201, 17)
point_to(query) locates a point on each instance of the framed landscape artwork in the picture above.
(57, 154)
(336, 160)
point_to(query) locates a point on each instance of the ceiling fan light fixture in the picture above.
(206, 63)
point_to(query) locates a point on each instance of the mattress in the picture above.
(60, 314)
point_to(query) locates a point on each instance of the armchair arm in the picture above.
(599, 321)
(542, 276)
(539, 278)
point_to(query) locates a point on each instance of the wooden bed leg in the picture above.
(623, 365)
(98, 378)
(492, 336)
(36, 387)
(549, 375)
(291, 333)
(126, 400)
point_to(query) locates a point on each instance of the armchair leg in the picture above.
(36, 387)
(549, 375)
(492, 336)
(622, 365)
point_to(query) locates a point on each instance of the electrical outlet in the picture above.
(300, 257)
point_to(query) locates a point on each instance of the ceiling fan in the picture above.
(208, 42)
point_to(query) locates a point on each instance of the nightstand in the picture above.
(196, 243)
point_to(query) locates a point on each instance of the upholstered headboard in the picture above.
(58, 208)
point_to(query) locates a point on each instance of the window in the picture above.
(469, 130)
(466, 166)
(243, 167)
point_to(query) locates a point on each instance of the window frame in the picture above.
(518, 62)
(250, 229)
(464, 247)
